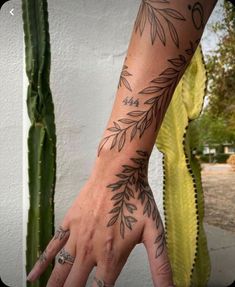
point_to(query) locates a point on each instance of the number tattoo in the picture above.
(131, 102)
(161, 90)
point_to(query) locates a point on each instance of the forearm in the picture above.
(163, 41)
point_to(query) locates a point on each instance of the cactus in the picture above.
(41, 137)
(182, 191)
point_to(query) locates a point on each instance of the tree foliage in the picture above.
(212, 131)
(221, 79)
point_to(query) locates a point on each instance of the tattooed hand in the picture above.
(113, 212)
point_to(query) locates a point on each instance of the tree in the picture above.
(221, 77)
(212, 131)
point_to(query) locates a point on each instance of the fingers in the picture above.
(54, 246)
(79, 273)
(66, 258)
(112, 258)
(107, 274)
(155, 244)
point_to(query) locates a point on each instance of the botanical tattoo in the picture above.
(133, 184)
(123, 80)
(158, 19)
(161, 90)
(43, 257)
(197, 15)
(131, 101)
(60, 233)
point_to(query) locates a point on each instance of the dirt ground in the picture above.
(218, 182)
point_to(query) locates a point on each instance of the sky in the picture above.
(210, 38)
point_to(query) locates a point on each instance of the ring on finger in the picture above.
(101, 283)
(65, 257)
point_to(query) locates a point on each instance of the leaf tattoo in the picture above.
(61, 233)
(161, 90)
(133, 184)
(43, 257)
(160, 241)
(147, 12)
(123, 79)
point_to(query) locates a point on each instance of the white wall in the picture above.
(11, 266)
(89, 40)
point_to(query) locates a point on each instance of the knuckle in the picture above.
(67, 219)
(86, 251)
(109, 257)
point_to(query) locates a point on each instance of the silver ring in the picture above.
(101, 283)
(65, 257)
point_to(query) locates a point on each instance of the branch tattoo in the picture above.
(160, 89)
(60, 233)
(43, 257)
(123, 79)
(132, 184)
(156, 17)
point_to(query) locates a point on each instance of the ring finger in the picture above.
(63, 265)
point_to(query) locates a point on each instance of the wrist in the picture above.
(110, 162)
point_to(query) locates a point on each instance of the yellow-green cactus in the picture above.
(182, 194)
(42, 137)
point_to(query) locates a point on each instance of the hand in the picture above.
(113, 212)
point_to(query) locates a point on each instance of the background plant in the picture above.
(182, 190)
(41, 137)
(218, 119)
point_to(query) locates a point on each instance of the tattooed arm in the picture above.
(115, 210)
(164, 39)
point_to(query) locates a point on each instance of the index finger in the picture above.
(55, 245)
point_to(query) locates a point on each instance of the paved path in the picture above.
(219, 194)
(221, 245)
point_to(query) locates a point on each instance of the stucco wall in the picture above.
(11, 122)
(89, 40)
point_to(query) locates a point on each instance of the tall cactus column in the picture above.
(182, 188)
(42, 137)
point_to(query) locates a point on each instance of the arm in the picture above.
(115, 210)
(163, 41)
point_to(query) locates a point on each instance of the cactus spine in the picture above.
(182, 194)
(42, 136)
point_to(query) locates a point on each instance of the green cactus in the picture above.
(182, 195)
(42, 136)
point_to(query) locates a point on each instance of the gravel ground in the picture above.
(218, 182)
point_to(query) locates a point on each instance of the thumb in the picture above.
(155, 244)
